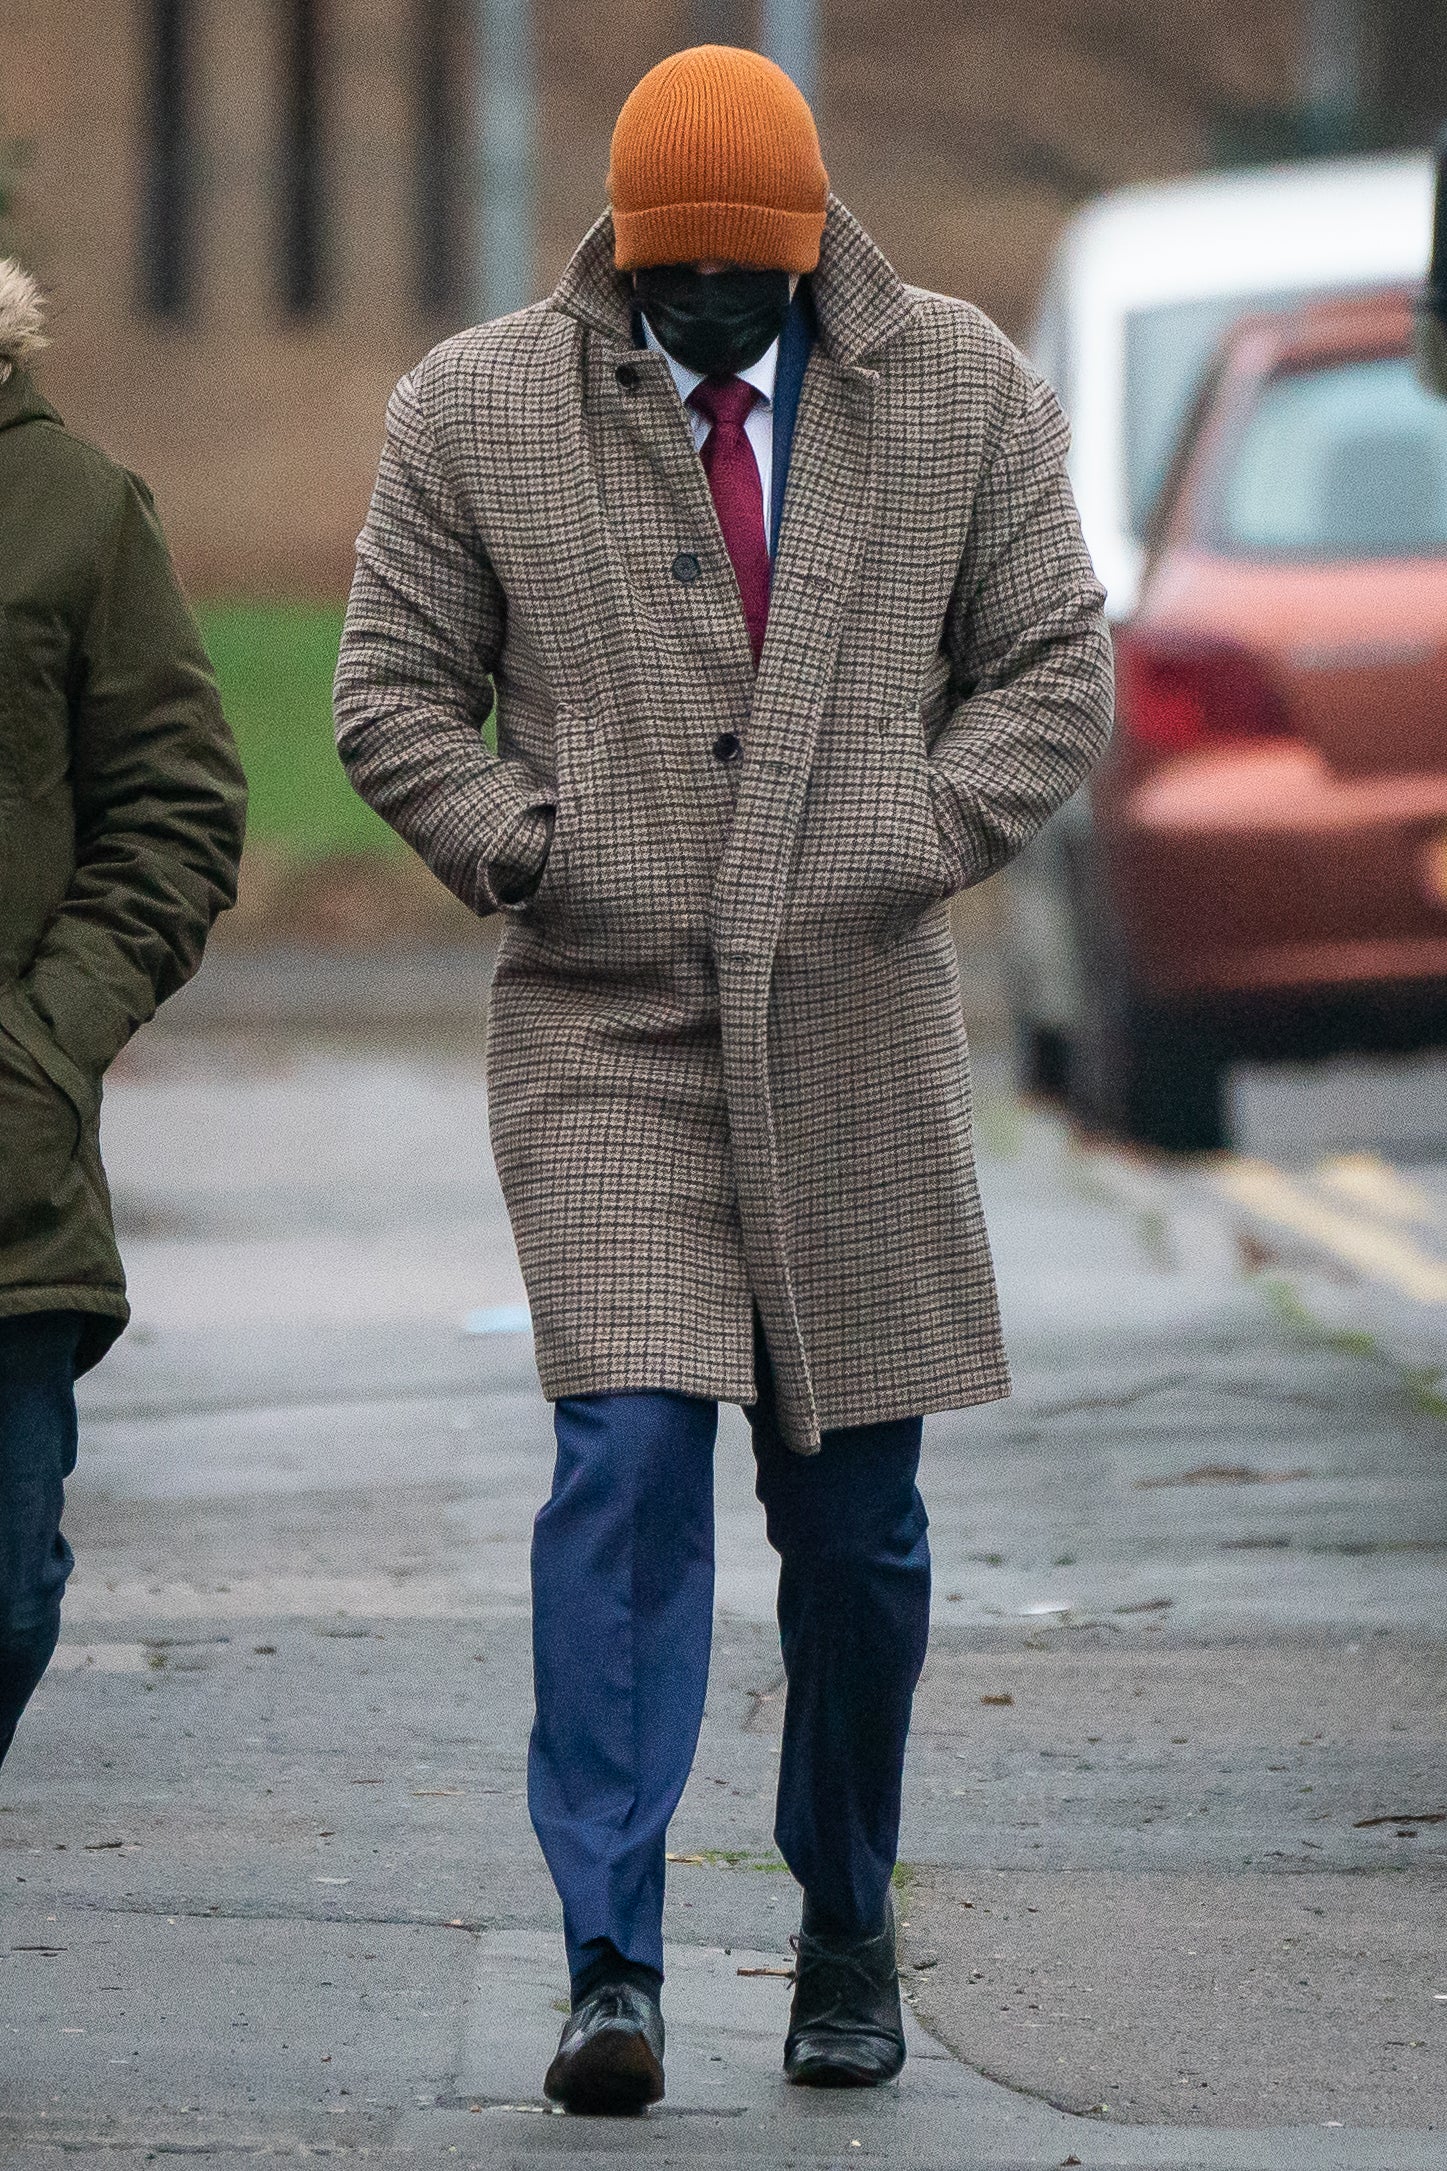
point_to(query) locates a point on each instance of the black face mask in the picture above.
(717, 322)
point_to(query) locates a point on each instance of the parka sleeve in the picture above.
(423, 633)
(159, 798)
(1029, 654)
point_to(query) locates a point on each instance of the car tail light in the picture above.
(1175, 693)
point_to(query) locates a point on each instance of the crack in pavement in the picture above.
(262, 1913)
(1126, 1400)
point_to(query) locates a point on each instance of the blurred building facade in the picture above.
(253, 215)
(225, 202)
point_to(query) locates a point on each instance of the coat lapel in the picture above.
(653, 422)
(859, 304)
(646, 419)
(828, 513)
(828, 508)
(823, 533)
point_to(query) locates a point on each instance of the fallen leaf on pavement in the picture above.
(1224, 1473)
(1004, 1698)
(1407, 1816)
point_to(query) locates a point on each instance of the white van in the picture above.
(1142, 286)
(1145, 281)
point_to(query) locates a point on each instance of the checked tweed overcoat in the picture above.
(726, 1060)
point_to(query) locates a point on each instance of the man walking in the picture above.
(121, 813)
(771, 568)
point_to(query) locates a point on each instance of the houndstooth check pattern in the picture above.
(726, 1058)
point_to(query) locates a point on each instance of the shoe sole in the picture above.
(614, 2072)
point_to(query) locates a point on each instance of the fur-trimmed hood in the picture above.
(22, 316)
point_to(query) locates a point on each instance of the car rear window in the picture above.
(1167, 353)
(1347, 461)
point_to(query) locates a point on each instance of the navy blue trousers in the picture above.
(623, 1571)
(37, 1455)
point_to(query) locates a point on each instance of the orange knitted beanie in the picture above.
(716, 155)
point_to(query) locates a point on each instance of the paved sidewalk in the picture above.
(1173, 1808)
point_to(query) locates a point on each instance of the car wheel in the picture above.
(1142, 1069)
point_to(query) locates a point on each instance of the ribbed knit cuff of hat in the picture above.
(752, 234)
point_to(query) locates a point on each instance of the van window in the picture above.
(1167, 353)
(1344, 462)
(1049, 343)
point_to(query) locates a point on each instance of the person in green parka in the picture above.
(122, 809)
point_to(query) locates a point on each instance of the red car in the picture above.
(1268, 868)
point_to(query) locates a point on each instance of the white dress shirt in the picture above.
(759, 425)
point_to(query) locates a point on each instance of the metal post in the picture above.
(506, 137)
(790, 35)
(168, 263)
(1332, 64)
(715, 22)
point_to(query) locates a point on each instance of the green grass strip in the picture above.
(275, 663)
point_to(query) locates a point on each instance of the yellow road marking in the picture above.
(1369, 1181)
(1379, 1253)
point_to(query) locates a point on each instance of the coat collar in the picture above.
(860, 301)
(19, 400)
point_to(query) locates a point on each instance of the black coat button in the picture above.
(728, 746)
(686, 568)
(627, 376)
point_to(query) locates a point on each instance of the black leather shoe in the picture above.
(610, 2056)
(846, 2029)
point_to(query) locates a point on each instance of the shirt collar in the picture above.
(762, 374)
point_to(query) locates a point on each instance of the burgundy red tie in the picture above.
(738, 495)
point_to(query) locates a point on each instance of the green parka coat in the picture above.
(122, 806)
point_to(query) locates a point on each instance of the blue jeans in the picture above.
(37, 1455)
(622, 1625)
